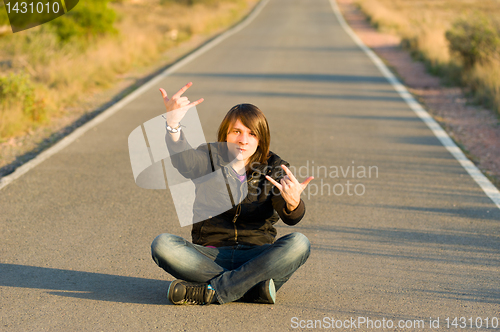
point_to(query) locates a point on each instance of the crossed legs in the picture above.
(231, 271)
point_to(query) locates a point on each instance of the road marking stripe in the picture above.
(448, 143)
(6, 180)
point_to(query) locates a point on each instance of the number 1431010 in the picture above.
(478, 322)
(32, 8)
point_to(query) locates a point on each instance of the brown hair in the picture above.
(252, 118)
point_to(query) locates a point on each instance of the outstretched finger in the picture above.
(194, 103)
(163, 93)
(279, 186)
(306, 182)
(182, 90)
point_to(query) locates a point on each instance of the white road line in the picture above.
(116, 107)
(448, 143)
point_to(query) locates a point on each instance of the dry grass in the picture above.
(64, 78)
(485, 81)
(422, 24)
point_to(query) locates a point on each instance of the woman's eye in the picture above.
(253, 134)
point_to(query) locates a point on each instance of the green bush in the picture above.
(474, 40)
(450, 72)
(18, 91)
(89, 19)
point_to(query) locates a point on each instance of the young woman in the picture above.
(234, 254)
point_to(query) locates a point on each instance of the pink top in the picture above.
(240, 177)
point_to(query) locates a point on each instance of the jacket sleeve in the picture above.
(289, 217)
(191, 163)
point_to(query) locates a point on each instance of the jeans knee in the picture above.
(298, 244)
(300, 241)
(163, 244)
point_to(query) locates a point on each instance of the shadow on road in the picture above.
(469, 258)
(267, 94)
(292, 77)
(85, 285)
(477, 248)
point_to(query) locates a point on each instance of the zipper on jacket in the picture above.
(238, 210)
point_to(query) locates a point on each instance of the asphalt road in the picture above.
(416, 238)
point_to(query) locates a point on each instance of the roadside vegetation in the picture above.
(458, 40)
(46, 71)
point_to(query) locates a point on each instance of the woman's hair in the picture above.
(252, 118)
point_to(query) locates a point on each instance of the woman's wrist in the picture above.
(291, 207)
(169, 122)
(173, 125)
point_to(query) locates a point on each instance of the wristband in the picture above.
(173, 130)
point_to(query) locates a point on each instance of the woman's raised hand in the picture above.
(290, 188)
(177, 106)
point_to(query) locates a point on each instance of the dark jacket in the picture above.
(247, 222)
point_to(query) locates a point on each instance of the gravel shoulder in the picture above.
(475, 129)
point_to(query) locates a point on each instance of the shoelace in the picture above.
(195, 294)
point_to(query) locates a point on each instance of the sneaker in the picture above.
(263, 292)
(184, 292)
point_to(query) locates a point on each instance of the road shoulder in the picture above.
(474, 129)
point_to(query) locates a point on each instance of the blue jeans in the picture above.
(231, 271)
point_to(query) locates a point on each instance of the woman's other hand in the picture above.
(177, 106)
(290, 188)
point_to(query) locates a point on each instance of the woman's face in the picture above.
(244, 141)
